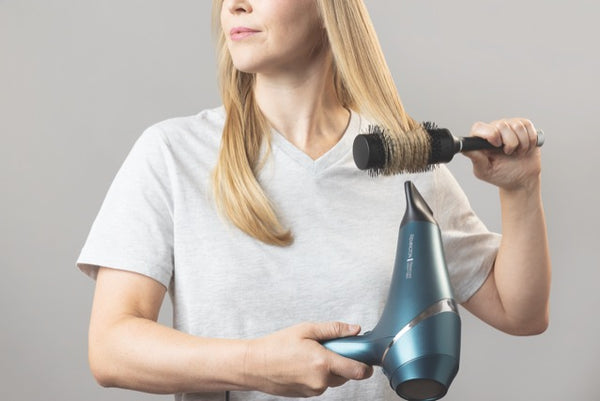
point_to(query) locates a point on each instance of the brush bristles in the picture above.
(407, 153)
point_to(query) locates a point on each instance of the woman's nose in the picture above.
(238, 6)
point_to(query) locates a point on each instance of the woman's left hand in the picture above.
(515, 296)
(518, 164)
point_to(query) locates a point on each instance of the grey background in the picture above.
(79, 81)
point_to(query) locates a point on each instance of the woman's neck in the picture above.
(303, 107)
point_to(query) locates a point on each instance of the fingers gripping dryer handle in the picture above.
(417, 338)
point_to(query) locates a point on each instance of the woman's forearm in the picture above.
(522, 270)
(129, 349)
(140, 354)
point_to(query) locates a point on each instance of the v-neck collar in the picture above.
(333, 155)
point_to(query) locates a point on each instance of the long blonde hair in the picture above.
(362, 82)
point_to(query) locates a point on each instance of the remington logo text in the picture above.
(409, 259)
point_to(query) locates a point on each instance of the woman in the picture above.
(256, 221)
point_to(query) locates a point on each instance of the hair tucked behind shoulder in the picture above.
(363, 83)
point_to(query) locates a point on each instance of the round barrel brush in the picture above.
(378, 151)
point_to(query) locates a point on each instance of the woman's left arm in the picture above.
(515, 296)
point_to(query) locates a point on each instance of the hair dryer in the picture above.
(417, 338)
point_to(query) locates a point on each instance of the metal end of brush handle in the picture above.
(468, 143)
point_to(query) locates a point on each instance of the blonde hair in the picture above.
(362, 82)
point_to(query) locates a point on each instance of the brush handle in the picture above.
(469, 143)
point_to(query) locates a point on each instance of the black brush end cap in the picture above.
(368, 151)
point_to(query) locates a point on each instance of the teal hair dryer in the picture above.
(417, 338)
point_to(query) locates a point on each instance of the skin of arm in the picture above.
(515, 296)
(129, 349)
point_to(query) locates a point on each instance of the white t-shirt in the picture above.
(159, 219)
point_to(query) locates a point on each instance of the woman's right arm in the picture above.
(129, 349)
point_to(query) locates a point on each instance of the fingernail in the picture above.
(354, 327)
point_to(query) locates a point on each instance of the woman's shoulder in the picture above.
(186, 139)
(207, 123)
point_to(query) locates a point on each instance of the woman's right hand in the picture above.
(291, 362)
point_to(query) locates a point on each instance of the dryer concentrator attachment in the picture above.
(417, 338)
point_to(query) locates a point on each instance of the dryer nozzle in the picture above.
(416, 207)
(417, 338)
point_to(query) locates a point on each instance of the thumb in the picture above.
(328, 330)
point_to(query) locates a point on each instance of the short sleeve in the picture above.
(133, 230)
(470, 248)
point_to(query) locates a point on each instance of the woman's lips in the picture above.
(239, 33)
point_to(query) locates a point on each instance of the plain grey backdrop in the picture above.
(79, 82)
